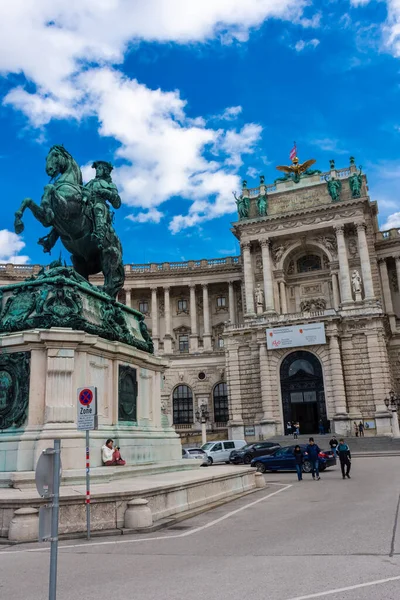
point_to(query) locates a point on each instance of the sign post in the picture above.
(87, 420)
(47, 478)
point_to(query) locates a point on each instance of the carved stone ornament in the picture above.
(329, 242)
(313, 304)
(278, 251)
(14, 389)
(352, 247)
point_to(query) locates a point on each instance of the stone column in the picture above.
(267, 422)
(341, 417)
(282, 290)
(397, 259)
(235, 425)
(380, 378)
(248, 280)
(194, 336)
(154, 317)
(206, 318)
(387, 294)
(344, 273)
(128, 299)
(231, 300)
(335, 291)
(365, 262)
(167, 319)
(267, 274)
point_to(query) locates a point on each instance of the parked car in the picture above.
(283, 460)
(220, 451)
(196, 453)
(247, 453)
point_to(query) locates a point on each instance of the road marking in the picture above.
(158, 538)
(346, 589)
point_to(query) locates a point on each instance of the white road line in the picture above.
(346, 589)
(158, 538)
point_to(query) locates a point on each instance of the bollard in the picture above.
(138, 514)
(260, 481)
(24, 526)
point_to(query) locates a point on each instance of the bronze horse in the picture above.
(65, 206)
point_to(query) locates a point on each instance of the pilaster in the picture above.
(248, 279)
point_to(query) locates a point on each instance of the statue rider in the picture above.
(102, 189)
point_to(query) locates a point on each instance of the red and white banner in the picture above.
(293, 152)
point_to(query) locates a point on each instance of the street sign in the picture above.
(45, 514)
(87, 408)
(44, 473)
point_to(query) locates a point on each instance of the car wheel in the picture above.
(247, 459)
(260, 467)
(307, 468)
(227, 462)
(209, 461)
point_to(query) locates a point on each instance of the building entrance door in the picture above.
(302, 386)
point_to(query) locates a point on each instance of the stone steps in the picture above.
(372, 444)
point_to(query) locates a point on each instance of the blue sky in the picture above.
(186, 98)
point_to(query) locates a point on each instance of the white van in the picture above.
(218, 452)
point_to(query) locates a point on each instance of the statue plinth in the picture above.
(60, 297)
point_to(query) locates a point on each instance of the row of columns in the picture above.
(194, 335)
(341, 289)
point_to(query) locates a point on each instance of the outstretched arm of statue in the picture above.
(48, 241)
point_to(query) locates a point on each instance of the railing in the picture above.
(187, 265)
(220, 425)
(183, 425)
(323, 177)
(390, 234)
(304, 316)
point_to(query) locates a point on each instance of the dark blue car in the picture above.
(283, 460)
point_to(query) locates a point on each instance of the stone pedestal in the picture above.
(383, 421)
(236, 430)
(268, 428)
(128, 382)
(342, 425)
(24, 526)
(138, 514)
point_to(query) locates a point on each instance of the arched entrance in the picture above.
(302, 387)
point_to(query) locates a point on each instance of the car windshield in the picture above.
(207, 446)
(246, 447)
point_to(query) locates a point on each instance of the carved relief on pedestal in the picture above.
(313, 304)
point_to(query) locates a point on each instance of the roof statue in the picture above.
(79, 215)
(296, 169)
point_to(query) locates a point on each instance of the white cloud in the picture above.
(10, 246)
(230, 114)
(252, 172)
(69, 52)
(151, 216)
(392, 222)
(301, 45)
(329, 145)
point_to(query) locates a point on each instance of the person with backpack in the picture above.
(313, 451)
(343, 451)
(333, 444)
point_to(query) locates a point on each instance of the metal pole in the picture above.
(87, 485)
(54, 521)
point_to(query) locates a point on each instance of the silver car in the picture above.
(195, 453)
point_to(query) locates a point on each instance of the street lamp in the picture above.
(392, 403)
(202, 416)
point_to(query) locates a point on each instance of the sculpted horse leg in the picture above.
(42, 212)
(113, 270)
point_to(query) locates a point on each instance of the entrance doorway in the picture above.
(303, 396)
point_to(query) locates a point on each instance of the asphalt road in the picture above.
(292, 541)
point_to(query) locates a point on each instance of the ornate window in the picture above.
(183, 343)
(143, 307)
(309, 262)
(182, 306)
(182, 405)
(221, 302)
(220, 342)
(221, 409)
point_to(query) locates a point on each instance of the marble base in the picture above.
(63, 360)
(268, 428)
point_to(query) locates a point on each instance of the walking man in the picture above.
(345, 458)
(298, 457)
(361, 429)
(333, 444)
(313, 450)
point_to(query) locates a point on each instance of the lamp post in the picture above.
(392, 403)
(202, 416)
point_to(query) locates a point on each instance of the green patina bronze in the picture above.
(243, 206)
(80, 217)
(334, 187)
(14, 389)
(262, 205)
(355, 183)
(127, 394)
(61, 297)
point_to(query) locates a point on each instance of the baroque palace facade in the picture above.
(303, 326)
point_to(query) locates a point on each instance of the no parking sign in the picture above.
(87, 408)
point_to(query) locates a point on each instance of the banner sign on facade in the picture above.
(296, 335)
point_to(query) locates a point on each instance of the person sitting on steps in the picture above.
(111, 455)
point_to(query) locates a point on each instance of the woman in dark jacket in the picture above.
(298, 457)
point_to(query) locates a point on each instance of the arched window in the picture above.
(183, 405)
(309, 262)
(221, 410)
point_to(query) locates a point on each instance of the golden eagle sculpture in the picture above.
(295, 170)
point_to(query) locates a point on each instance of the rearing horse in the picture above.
(65, 208)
